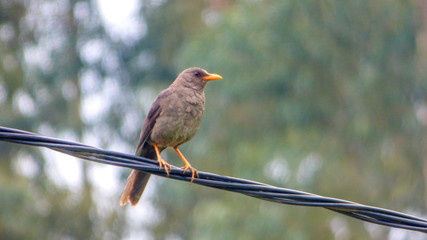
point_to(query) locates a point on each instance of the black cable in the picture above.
(250, 188)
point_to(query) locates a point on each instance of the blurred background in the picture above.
(328, 97)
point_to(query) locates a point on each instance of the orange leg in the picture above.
(187, 165)
(162, 163)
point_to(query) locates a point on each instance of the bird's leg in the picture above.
(162, 163)
(187, 165)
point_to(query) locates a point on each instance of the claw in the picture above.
(166, 165)
(193, 171)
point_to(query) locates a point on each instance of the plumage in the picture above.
(173, 119)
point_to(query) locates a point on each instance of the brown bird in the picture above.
(172, 120)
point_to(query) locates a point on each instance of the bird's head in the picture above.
(195, 78)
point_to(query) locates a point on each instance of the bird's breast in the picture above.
(179, 120)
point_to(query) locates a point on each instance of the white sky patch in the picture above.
(64, 170)
(308, 167)
(402, 234)
(121, 19)
(132, 122)
(94, 107)
(105, 179)
(89, 81)
(24, 103)
(339, 226)
(36, 55)
(46, 129)
(375, 231)
(7, 32)
(277, 169)
(25, 165)
(93, 51)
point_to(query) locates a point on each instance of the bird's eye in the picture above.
(197, 73)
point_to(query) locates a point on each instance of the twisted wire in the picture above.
(247, 187)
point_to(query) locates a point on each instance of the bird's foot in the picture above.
(166, 165)
(193, 171)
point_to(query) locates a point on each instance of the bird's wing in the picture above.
(150, 120)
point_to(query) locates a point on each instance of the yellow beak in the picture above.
(212, 76)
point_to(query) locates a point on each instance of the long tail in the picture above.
(137, 180)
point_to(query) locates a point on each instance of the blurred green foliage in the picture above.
(322, 96)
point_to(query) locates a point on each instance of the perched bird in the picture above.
(173, 119)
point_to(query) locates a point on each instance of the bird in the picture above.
(172, 120)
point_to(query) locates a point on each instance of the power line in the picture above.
(250, 188)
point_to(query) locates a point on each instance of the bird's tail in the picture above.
(137, 180)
